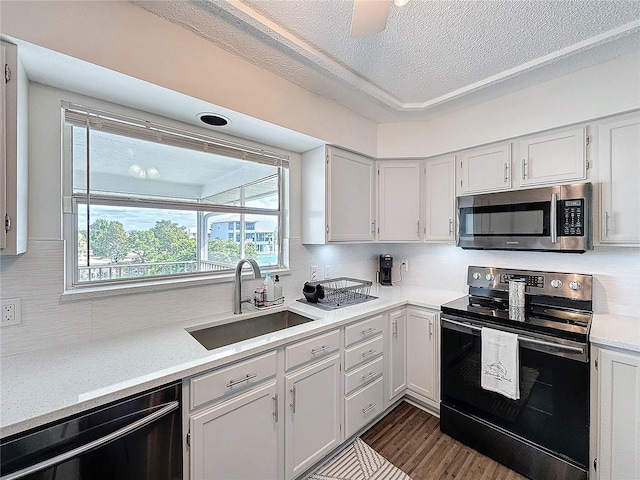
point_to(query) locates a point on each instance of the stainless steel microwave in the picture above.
(555, 218)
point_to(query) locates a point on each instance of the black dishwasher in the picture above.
(135, 438)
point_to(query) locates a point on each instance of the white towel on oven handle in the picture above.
(500, 369)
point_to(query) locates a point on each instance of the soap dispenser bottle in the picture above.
(277, 288)
(268, 288)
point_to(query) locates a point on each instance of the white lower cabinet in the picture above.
(234, 421)
(237, 439)
(617, 453)
(363, 373)
(423, 356)
(396, 355)
(363, 406)
(312, 419)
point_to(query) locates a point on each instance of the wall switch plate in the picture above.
(313, 273)
(11, 309)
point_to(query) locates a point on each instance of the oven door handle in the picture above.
(522, 338)
(63, 457)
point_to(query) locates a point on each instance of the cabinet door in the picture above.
(350, 197)
(440, 200)
(312, 425)
(619, 404)
(553, 158)
(619, 157)
(486, 169)
(3, 151)
(397, 369)
(422, 361)
(237, 439)
(14, 104)
(399, 201)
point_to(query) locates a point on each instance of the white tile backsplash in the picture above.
(48, 321)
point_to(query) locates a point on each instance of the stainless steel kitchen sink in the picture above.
(221, 335)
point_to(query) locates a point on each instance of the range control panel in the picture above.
(568, 285)
(571, 217)
(531, 280)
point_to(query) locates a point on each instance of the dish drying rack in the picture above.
(343, 291)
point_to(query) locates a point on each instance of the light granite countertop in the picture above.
(616, 331)
(47, 385)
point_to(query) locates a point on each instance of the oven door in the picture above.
(552, 413)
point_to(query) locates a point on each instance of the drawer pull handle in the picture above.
(368, 408)
(247, 377)
(368, 331)
(368, 376)
(366, 354)
(322, 349)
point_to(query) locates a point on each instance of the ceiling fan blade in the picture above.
(369, 17)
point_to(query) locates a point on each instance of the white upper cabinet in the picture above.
(485, 169)
(440, 199)
(399, 200)
(13, 158)
(555, 157)
(619, 159)
(338, 196)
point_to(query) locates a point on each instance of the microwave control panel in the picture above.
(571, 216)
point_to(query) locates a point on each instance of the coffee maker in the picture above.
(384, 274)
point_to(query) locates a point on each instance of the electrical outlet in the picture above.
(313, 273)
(405, 265)
(327, 271)
(11, 312)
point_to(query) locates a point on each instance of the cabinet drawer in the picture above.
(363, 352)
(363, 406)
(315, 348)
(362, 330)
(363, 375)
(231, 380)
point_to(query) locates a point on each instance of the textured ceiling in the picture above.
(433, 55)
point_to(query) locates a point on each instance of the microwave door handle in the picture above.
(553, 218)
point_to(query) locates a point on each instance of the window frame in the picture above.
(71, 200)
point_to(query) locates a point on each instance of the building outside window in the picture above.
(145, 201)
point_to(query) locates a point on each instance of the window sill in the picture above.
(100, 291)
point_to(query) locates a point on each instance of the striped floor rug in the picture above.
(359, 462)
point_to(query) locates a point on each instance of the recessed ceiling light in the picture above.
(213, 119)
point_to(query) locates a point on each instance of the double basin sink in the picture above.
(222, 335)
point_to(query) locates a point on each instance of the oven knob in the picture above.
(555, 283)
(575, 285)
(477, 275)
(489, 276)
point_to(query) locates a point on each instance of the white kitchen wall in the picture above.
(127, 39)
(599, 91)
(49, 320)
(52, 320)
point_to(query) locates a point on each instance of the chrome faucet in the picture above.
(237, 289)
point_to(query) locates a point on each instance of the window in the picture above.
(145, 201)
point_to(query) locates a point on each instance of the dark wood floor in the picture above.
(411, 439)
